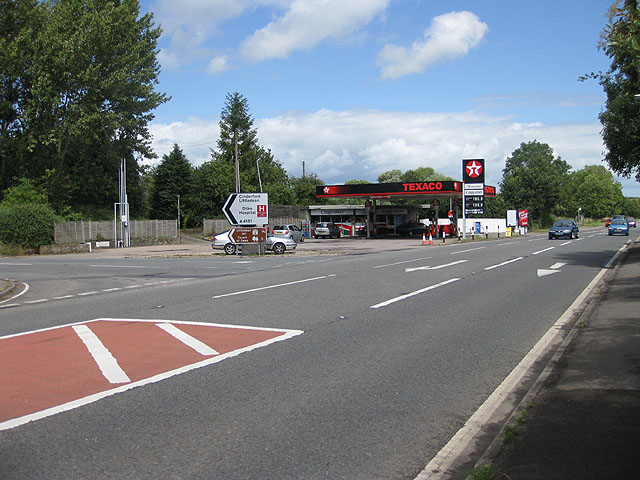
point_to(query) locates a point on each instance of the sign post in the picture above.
(249, 212)
(247, 209)
(473, 190)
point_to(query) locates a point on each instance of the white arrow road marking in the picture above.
(197, 345)
(552, 269)
(102, 356)
(417, 292)
(434, 268)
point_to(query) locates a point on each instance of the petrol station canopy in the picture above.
(385, 191)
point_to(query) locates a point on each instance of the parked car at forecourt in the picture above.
(326, 229)
(564, 229)
(618, 226)
(274, 243)
(294, 232)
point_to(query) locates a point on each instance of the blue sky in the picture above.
(354, 88)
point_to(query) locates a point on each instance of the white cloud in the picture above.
(449, 36)
(218, 65)
(307, 23)
(358, 144)
(188, 24)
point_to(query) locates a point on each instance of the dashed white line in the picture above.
(273, 286)
(438, 267)
(467, 250)
(400, 263)
(504, 263)
(412, 294)
(542, 251)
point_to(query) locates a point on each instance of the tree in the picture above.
(238, 139)
(392, 176)
(594, 190)
(77, 96)
(620, 119)
(172, 177)
(254, 167)
(304, 190)
(533, 180)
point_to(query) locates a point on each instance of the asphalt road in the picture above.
(399, 349)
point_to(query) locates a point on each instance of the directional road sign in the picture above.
(247, 209)
(248, 235)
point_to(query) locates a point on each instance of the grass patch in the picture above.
(512, 431)
(481, 473)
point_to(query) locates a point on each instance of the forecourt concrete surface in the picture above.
(581, 419)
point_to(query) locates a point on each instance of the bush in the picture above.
(28, 225)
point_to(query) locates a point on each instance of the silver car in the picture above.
(275, 244)
(294, 232)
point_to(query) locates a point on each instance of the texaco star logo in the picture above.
(474, 169)
(327, 189)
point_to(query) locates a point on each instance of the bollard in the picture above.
(443, 236)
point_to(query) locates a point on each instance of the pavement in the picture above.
(581, 419)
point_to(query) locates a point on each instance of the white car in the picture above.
(274, 243)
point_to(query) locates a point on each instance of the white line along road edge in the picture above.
(438, 467)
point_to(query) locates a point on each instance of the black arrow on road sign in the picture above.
(227, 209)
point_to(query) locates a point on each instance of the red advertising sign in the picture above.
(523, 218)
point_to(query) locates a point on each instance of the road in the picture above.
(391, 352)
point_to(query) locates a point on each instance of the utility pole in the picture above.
(235, 138)
(178, 218)
(303, 172)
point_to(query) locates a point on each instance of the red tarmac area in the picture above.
(49, 368)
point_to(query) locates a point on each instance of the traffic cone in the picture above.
(424, 239)
(430, 239)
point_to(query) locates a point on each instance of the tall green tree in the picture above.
(171, 178)
(594, 190)
(620, 118)
(533, 180)
(253, 168)
(80, 89)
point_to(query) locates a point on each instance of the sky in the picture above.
(354, 88)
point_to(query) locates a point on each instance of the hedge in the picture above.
(28, 225)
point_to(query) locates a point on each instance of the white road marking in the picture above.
(36, 301)
(467, 250)
(25, 290)
(542, 251)
(412, 294)
(437, 468)
(123, 266)
(438, 267)
(505, 243)
(251, 290)
(400, 263)
(188, 340)
(102, 356)
(504, 263)
(15, 422)
(557, 265)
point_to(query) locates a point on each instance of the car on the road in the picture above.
(632, 222)
(274, 243)
(294, 232)
(326, 229)
(565, 228)
(619, 226)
